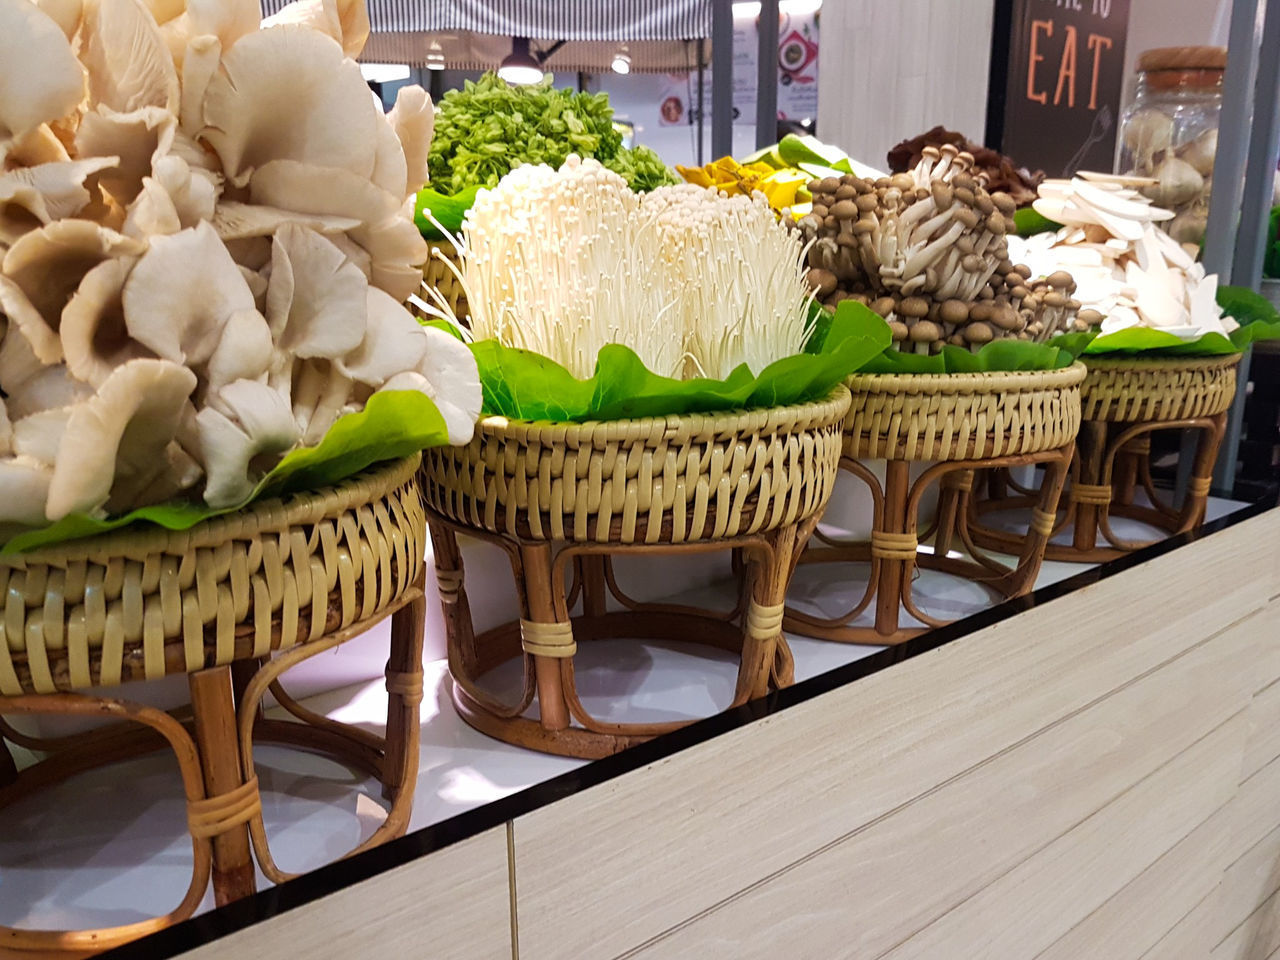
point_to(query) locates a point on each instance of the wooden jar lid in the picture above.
(1183, 58)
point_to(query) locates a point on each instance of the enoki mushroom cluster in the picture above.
(927, 251)
(563, 262)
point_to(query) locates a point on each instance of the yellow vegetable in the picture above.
(782, 188)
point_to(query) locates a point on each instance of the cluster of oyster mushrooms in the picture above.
(1129, 272)
(927, 251)
(205, 244)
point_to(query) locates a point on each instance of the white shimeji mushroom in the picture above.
(40, 78)
(118, 438)
(289, 94)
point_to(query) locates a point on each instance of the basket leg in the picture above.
(1091, 446)
(1197, 498)
(952, 501)
(459, 630)
(216, 738)
(535, 559)
(404, 700)
(894, 573)
(1043, 519)
(762, 640)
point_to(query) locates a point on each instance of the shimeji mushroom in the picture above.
(40, 78)
(46, 267)
(288, 93)
(116, 441)
(242, 434)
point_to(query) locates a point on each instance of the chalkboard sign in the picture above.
(1057, 74)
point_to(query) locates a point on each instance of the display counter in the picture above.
(1089, 771)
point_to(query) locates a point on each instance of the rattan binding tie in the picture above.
(449, 583)
(1139, 446)
(893, 546)
(764, 621)
(407, 685)
(547, 639)
(1043, 522)
(961, 480)
(1199, 486)
(1097, 494)
(216, 815)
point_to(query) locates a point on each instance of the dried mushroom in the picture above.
(206, 237)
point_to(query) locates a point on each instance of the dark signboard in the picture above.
(1057, 75)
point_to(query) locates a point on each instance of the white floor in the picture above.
(104, 850)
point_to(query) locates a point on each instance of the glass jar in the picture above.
(1169, 133)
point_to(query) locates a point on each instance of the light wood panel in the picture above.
(1191, 938)
(893, 879)
(734, 811)
(1264, 715)
(1138, 916)
(452, 905)
(1257, 938)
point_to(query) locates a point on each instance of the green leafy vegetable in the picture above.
(490, 127)
(527, 386)
(449, 211)
(1257, 317)
(1001, 356)
(1028, 222)
(1271, 255)
(392, 425)
(798, 151)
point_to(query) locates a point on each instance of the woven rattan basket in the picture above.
(962, 416)
(663, 479)
(436, 275)
(1129, 391)
(140, 604)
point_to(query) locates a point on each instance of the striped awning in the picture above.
(569, 20)
(464, 50)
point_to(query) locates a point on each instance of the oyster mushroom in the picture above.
(127, 59)
(137, 139)
(393, 342)
(447, 374)
(347, 21)
(33, 196)
(182, 292)
(173, 198)
(47, 265)
(316, 302)
(318, 392)
(119, 437)
(198, 67)
(390, 171)
(24, 491)
(289, 94)
(40, 78)
(242, 221)
(310, 189)
(413, 120)
(94, 337)
(396, 252)
(38, 435)
(242, 435)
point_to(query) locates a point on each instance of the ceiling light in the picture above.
(520, 67)
(384, 72)
(622, 63)
(794, 8)
(435, 61)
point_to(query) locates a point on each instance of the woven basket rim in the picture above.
(1172, 364)
(274, 514)
(719, 420)
(986, 381)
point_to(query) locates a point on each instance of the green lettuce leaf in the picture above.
(450, 211)
(392, 425)
(795, 151)
(528, 386)
(998, 356)
(1028, 221)
(1256, 315)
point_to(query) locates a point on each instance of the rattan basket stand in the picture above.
(563, 499)
(959, 424)
(233, 603)
(1124, 402)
